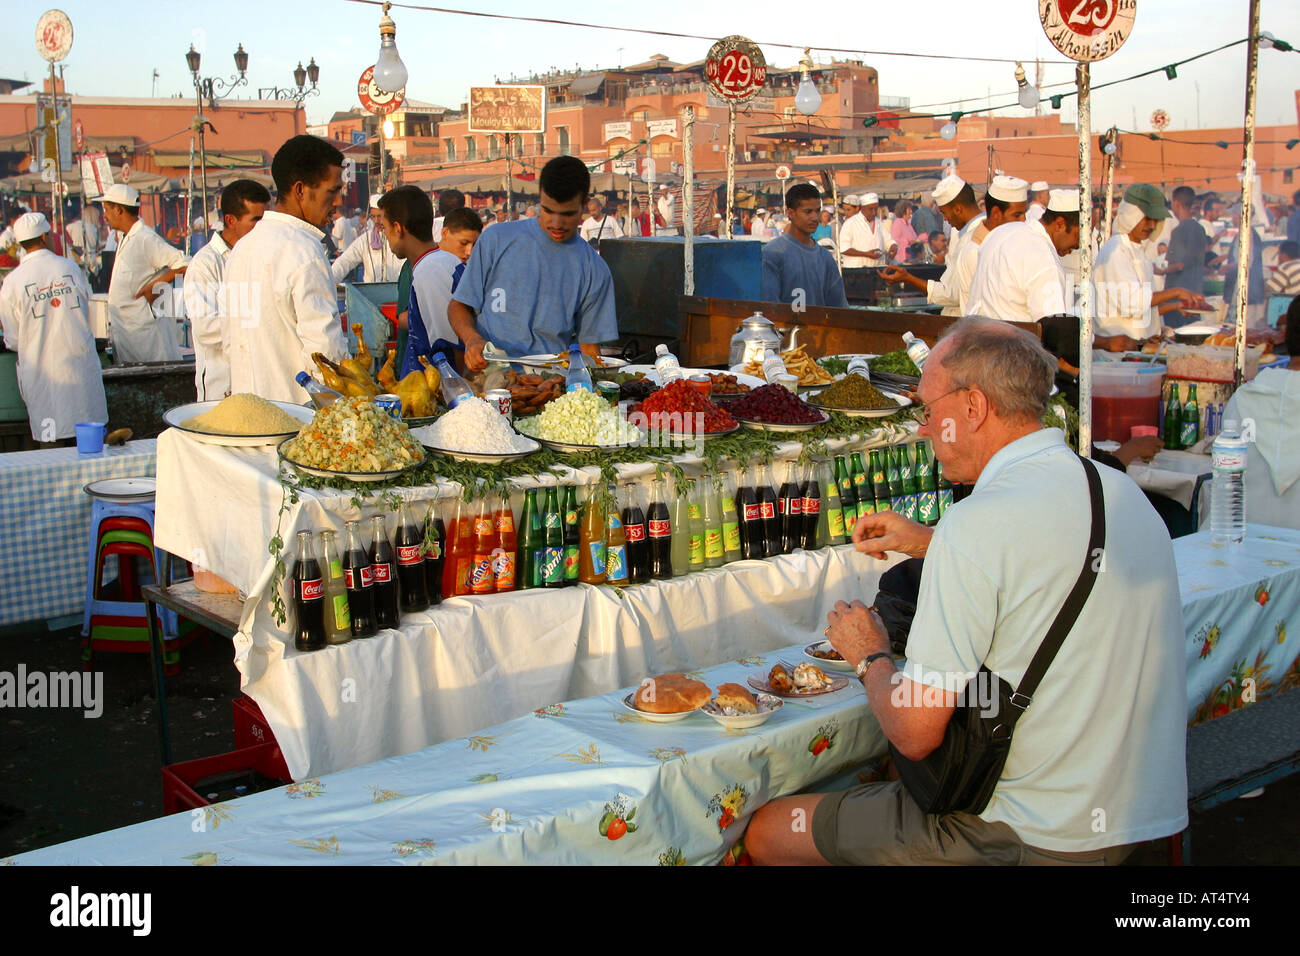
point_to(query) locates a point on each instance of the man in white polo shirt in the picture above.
(956, 201)
(1096, 761)
(865, 238)
(280, 294)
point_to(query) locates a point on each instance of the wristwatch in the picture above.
(861, 669)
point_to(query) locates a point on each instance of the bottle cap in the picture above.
(438, 357)
(302, 378)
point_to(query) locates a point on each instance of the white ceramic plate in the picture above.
(739, 372)
(176, 418)
(654, 718)
(552, 363)
(823, 663)
(837, 683)
(123, 490)
(483, 458)
(569, 448)
(649, 372)
(768, 705)
(903, 402)
(349, 475)
(780, 427)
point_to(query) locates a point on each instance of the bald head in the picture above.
(1007, 364)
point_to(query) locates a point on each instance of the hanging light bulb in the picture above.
(1028, 95)
(949, 129)
(807, 100)
(1266, 40)
(1109, 149)
(390, 72)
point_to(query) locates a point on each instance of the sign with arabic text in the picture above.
(507, 109)
(665, 127)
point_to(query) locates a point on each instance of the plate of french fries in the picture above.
(797, 363)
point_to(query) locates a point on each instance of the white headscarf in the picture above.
(1126, 219)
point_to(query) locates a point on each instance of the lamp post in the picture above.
(301, 76)
(209, 87)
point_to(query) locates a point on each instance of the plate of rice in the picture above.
(475, 431)
(239, 421)
(353, 439)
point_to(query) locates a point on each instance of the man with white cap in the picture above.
(864, 238)
(370, 251)
(45, 312)
(142, 269)
(957, 205)
(1019, 277)
(664, 212)
(1127, 301)
(1039, 193)
(280, 297)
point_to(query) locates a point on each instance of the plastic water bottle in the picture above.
(578, 379)
(858, 366)
(1228, 501)
(454, 388)
(323, 397)
(917, 350)
(773, 365)
(666, 365)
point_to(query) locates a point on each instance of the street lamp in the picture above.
(807, 100)
(209, 87)
(301, 76)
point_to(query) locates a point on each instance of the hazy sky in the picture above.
(118, 46)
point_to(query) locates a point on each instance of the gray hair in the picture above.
(1007, 364)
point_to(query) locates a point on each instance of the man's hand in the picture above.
(856, 631)
(1191, 300)
(874, 254)
(873, 535)
(1144, 447)
(895, 274)
(474, 360)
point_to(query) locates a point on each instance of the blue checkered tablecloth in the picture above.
(45, 524)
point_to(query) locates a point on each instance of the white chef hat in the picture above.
(122, 194)
(948, 189)
(1064, 200)
(870, 199)
(30, 225)
(1008, 189)
(1039, 186)
(374, 200)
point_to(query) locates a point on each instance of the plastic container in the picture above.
(90, 437)
(254, 767)
(1210, 363)
(1124, 395)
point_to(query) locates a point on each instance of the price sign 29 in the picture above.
(735, 68)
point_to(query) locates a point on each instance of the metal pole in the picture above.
(731, 167)
(1110, 183)
(203, 157)
(835, 198)
(57, 210)
(381, 157)
(688, 199)
(509, 190)
(1084, 121)
(1246, 236)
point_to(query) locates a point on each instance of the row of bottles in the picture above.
(893, 481)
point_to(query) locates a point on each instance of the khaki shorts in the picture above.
(880, 824)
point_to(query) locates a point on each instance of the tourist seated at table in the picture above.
(1272, 403)
(1097, 759)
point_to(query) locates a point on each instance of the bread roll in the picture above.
(778, 678)
(671, 694)
(737, 698)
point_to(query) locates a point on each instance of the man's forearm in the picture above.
(462, 322)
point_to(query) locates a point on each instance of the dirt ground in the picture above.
(64, 776)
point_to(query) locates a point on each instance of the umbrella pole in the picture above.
(688, 200)
(1246, 236)
(1084, 123)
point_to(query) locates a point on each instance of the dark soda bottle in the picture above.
(553, 541)
(308, 597)
(638, 547)
(659, 530)
(360, 583)
(767, 504)
(752, 542)
(812, 507)
(790, 506)
(572, 535)
(410, 562)
(383, 567)
(435, 535)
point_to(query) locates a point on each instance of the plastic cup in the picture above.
(1144, 431)
(90, 437)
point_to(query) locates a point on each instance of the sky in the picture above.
(118, 47)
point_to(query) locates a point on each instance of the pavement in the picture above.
(66, 776)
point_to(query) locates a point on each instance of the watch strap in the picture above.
(865, 663)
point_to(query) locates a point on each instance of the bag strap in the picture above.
(1069, 613)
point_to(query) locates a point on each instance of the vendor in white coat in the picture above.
(956, 200)
(1019, 277)
(45, 312)
(1127, 302)
(143, 267)
(280, 280)
(243, 203)
(370, 251)
(865, 237)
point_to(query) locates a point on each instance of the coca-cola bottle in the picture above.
(410, 562)
(790, 506)
(659, 529)
(383, 567)
(753, 544)
(360, 582)
(638, 548)
(435, 539)
(482, 575)
(768, 509)
(308, 597)
(812, 506)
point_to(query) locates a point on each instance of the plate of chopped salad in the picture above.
(353, 439)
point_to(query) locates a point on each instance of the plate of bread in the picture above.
(667, 698)
(804, 680)
(736, 708)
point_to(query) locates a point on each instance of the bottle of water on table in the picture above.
(666, 365)
(578, 378)
(454, 388)
(1228, 494)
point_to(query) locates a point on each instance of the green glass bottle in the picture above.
(572, 534)
(945, 488)
(927, 487)
(848, 498)
(1173, 419)
(894, 472)
(861, 486)
(1190, 420)
(530, 542)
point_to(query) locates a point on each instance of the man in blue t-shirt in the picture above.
(795, 269)
(533, 286)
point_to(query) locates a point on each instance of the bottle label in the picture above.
(780, 506)
(697, 549)
(731, 536)
(342, 613)
(767, 509)
(794, 507)
(945, 499)
(483, 527)
(553, 565)
(336, 569)
(728, 504)
(571, 562)
(905, 472)
(552, 520)
(434, 551)
(835, 519)
(571, 517)
(929, 509)
(597, 549)
(613, 522)
(383, 573)
(660, 529)
(867, 506)
(311, 590)
(635, 532)
(753, 512)
(812, 506)
(1231, 460)
(693, 511)
(1189, 430)
(482, 577)
(713, 543)
(408, 554)
(878, 476)
(503, 570)
(859, 479)
(615, 564)
(505, 523)
(367, 576)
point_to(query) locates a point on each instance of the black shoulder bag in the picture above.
(960, 776)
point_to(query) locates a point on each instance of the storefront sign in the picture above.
(667, 127)
(507, 109)
(618, 131)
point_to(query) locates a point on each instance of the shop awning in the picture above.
(233, 159)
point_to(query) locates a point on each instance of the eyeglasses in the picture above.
(926, 406)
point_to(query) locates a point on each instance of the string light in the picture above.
(1028, 95)
(949, 129)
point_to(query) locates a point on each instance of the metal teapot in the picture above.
(755, 336)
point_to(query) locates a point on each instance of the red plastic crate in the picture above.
(251, 726)
(179, 779)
